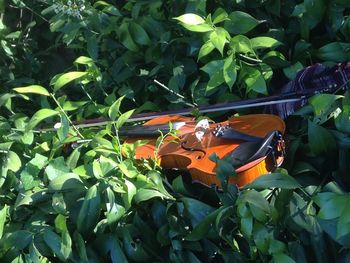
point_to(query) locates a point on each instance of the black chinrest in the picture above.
(250, 151)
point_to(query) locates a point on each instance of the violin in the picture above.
(253, 143)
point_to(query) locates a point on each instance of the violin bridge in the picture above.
(201, 129)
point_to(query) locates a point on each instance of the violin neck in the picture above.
(149, 130)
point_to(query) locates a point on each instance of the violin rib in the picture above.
(254, 143)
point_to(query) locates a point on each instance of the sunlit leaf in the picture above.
(123, 118)
(35, 89)
(206, 49)
(114, 111)
(190, 19)
(13, 162)
(67, 78)
(39, 116)
(230, 71)
(3, 215)
(218, 38)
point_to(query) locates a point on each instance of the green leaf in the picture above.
(335, 51)
(126, 39)
(322, 105)
(12, 162)
(59, 204)
(4, 99)
(246, 226)
(130, 190)
(215, 80)
(66, 182)
(275, 59)
(213, 67)
(282, 258)
(218, 38)
(134, 250)
(278, 180)
(29, 176)
(138, 34)
(64, 79)
(128, 168)
(123, 118)
(343, 226)
(55, 243)
(320, 139)
(19, 240)
(219, 15)
(241, 44)
(39, 116)
(199, 28)
(146, 194)
(35, 89)
(114, 110)
(84, 60)
(206, 49)
(109, 246)
(240, 23)
(303, 167)
(264, 42)
(190, 19)
(56, 168)
(197, 210)
(230, 71)
(3, 215)
(114, 211)
(79, 243)
(291, 71)
(89, 212)
(255, 80)
(334, 207)
(201, 230)
(315, 10)
(342, 122)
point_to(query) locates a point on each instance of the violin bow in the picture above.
(310, 81)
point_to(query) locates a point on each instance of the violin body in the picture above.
(253, 142)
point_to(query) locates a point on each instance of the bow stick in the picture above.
(310, 81)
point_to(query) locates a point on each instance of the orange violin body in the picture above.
(253, 141)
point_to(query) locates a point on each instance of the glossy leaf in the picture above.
(146, 194)
(65, 182)
(218, 38)
(3, 215)
(138, 34)
(255, 81)
(190, 19)
(230, 71)
(335, 51)
(39, 116)
(279, 180)
(13, 162)
(123, 118)
(320, 139)
(206, 49)
(89, 212)
(240, 23)
(66, 78)
(215, 80)
(241, 44)
(34, 89)
(55, 244)
(264, 42)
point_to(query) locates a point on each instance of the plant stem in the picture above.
(65, 114)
